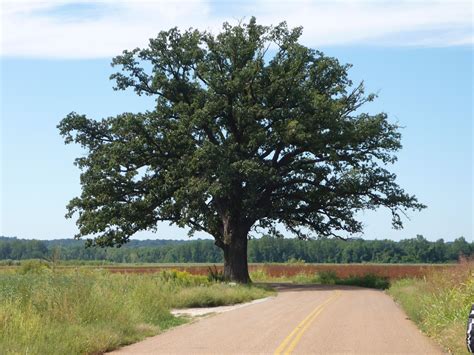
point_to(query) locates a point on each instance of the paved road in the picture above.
(300, 320)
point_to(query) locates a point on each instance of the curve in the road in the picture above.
(300, 320)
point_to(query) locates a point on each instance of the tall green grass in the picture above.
(92, 311)
(440, 304)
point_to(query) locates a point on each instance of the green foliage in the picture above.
(368, 280)
(219, 295)
(304, 278)
(78, 312)
(327, 277)
(182, 278)
(265, 249)
(91, 312)
(34, 266)
(9, 262)
(236, 140)
(440, 304)
(215, 275)
(295, 261)
(259, 275)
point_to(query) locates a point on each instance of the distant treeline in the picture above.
(265, 249)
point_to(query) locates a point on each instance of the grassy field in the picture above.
(439, 303)
(275, 271)
(92, 311)
(67, 308)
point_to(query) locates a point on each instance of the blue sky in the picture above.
(420, 60)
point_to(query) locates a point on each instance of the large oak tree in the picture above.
(250, 129)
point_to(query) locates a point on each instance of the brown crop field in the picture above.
(392, 271)
(275, 270)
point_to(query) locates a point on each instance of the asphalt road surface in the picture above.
(300, 320)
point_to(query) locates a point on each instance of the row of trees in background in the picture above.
(265, 249)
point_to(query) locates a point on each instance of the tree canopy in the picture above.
(250, 129)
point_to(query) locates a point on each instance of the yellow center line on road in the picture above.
(294, 337)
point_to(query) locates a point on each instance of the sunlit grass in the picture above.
(440, 304)
(90, 311)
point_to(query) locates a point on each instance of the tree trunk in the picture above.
(235, 260)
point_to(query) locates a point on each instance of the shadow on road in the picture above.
(290, 287)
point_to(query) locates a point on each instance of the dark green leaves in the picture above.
(249, 128)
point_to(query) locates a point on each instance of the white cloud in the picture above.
(88, 29)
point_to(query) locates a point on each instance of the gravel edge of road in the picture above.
(204, 311)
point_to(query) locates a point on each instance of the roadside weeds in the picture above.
(439, 304)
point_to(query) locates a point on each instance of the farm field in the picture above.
(93, 308)
(279, 271)
(391, 271)
(274, 270)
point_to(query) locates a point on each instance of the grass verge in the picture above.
(90, 312)
(439, 304)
